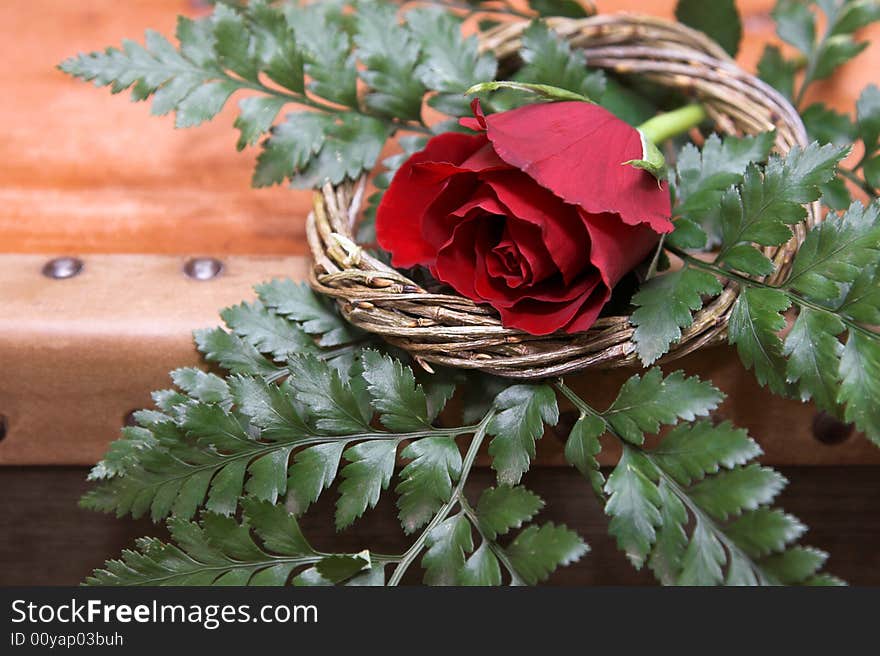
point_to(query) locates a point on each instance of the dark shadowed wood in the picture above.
(48, 540)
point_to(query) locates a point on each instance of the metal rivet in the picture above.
(63, 267)
(129, 419)
(203, 268)
(4, 427)
(829, 430)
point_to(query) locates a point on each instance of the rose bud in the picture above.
(539, 214)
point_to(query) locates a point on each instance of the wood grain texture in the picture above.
(87, 172)
(83, 352)
(47, 540)
(79, 354)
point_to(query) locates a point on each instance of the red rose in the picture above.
(535, 215)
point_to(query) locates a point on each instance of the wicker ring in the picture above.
(450, 330)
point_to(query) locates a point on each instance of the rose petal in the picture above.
(500, 295)
(577, 150)
(447, 210)
(562, 230)
(531, 247)
(616, 248)
(542, 318)
(505, 261)
(454, 264)
(398, 218)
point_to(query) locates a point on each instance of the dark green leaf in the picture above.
(232, 43)
(503, 508)
(233, 353)
(860, 383)
(718, 20)
(369, 471)
(645, 403)
(217, 551)
(293, 144)
(862, 298)
(690, 451)
(338, 568)
(312, 471)
(582, 447)
(753, 327)
(703, 558)
(669, 550)
(834, 52)
(427, 480)
(813, 352)
(550, 60)
(871, 171)
(835, 194)
(777, 71)
(202, 386)
(276, 47)
(742, 488)
(450, 63)
(269, 406)
(390, 55)
(761, 210)
(481, 569)
(539, 550)
(795, 565)
(764, 531)
(329, 398)
(795, 24)
(401, 403)
(566, 8)
(300, 304)
(868, 115)
(522, 411)
(326, 49)
(703, 175)
(352, 143)
(267, 331)
(827, 126)
(448, 543)
(836, 251)
(257, 113)
(633, 505)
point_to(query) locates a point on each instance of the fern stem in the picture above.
(702, 516)
(494, 547)
(457, 494)
(261, 448)
(794, 297)
(695, 509)
(309, 101)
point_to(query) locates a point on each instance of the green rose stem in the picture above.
(669, 124)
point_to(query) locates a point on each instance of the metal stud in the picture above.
(62, 268)
(4, 427)
(129, 419)
(203, 268)
(827, 429)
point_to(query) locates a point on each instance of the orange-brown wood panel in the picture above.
(77, 355)
(90, 173)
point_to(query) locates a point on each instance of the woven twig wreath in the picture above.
(451, 330)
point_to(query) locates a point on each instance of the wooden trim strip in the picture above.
(78, 354)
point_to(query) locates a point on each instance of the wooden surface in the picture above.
(48, 540)
(87, 172)
(79, 354)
